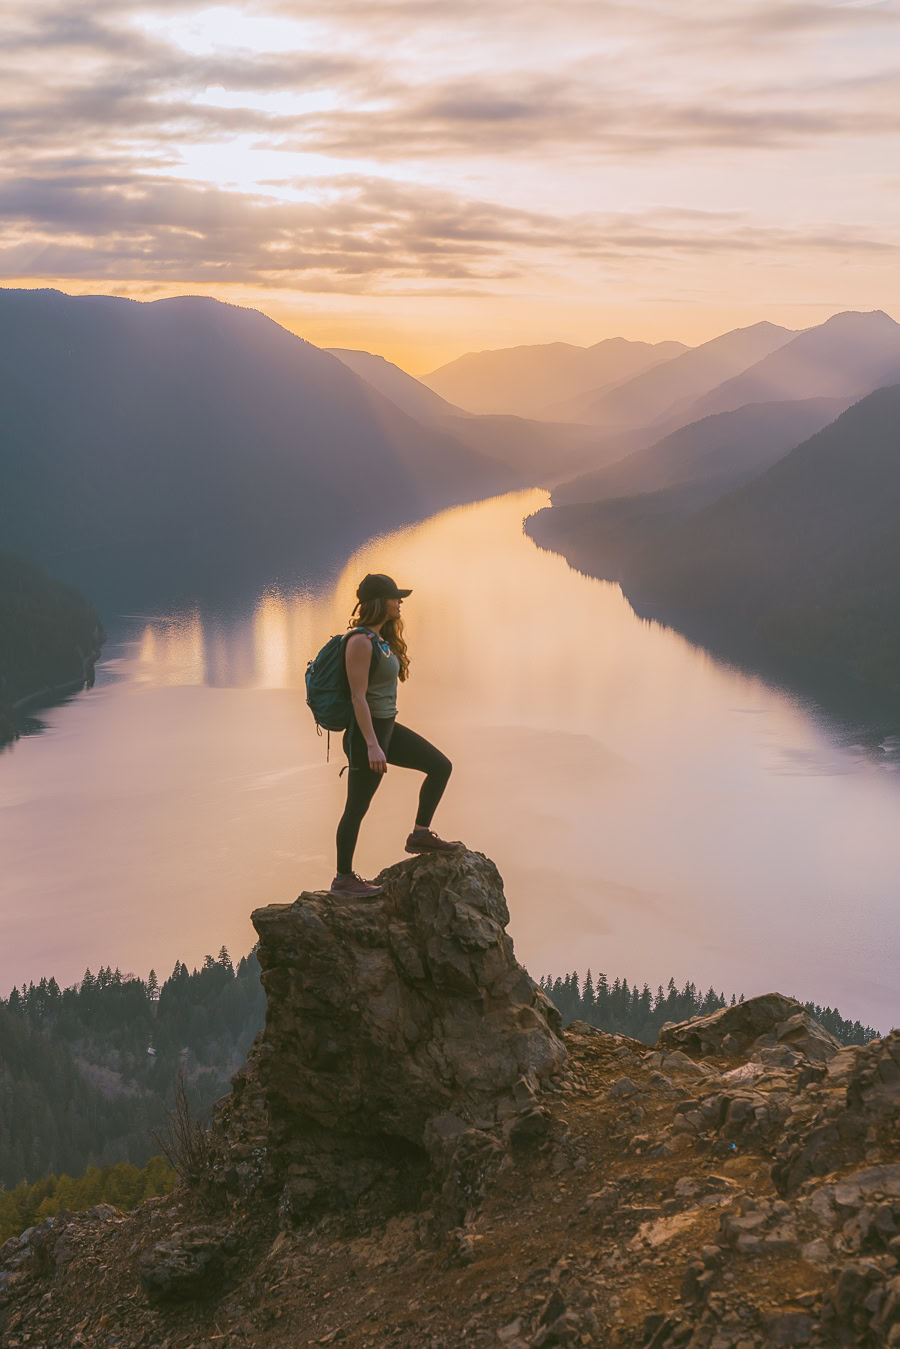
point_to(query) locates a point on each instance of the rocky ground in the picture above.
(413, 1157)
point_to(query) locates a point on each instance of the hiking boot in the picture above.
(426, 840)
(353, 886)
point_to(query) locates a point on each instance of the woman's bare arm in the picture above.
(358, 655)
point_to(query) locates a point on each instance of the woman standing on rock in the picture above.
(376, 660)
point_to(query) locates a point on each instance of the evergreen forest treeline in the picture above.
(122, 1185)
(623, 1009)
(50, 637)
(87, 1073)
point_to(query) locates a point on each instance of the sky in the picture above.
(421, 179)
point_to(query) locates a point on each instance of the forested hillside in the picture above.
(794, 573)
(50, 637)
(802, 564)
(175, 450)
(87, 1072)
(122, 1185)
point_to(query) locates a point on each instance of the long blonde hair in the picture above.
(371, 613)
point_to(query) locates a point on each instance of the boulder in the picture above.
(848, 1124)
(396, 1026)
(187, 1266)
(772, 1028)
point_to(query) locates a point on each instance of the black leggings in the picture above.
(405, 749)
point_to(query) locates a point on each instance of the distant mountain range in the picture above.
(805, 559)
(661, 393)
(796, 572)
(409, 394)
(847, 356)
(724, 449)
(187, 449)
(542, 452)
(539, 381)
(159, 452)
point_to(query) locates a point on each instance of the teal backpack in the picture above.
(327, 685)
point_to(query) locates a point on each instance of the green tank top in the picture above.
(381, 695)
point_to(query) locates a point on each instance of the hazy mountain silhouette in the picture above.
(544, 453)
(50, 638)
(603, 538)
(662, 392)
(796, 573)
(409, 393)
(537, 381)
(848, 355)
(725, 449)
(800, 567)
(155, 452)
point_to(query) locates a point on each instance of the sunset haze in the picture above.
(420, 182)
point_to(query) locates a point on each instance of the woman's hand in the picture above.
(377, 757)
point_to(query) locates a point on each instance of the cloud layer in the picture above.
(362, 146)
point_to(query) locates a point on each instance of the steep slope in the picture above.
(157, 452)
(847, 356)
(801, 565)
(414, 1155)
(533, 381)
(409, 394)
(663, 392)
(726, 448)
(605, 538)
(50, 638)
(544, 453)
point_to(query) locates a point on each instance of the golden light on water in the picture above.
(651, 811)
(272, 643)
(173, 651)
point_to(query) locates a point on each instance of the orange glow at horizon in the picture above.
(422, 184)
(419, 341)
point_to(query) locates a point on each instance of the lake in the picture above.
(653, 811)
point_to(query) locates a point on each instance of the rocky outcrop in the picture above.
(850, 1111)
(771, 1028)
(403, 1042)
(411, 1156)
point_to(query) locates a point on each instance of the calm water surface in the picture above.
(653, 812)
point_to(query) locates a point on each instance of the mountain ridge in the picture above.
(793, 573)
(850, 354)
(209, 427)
(727, 446)
(535, 379)
(544, 452)
(654, 396)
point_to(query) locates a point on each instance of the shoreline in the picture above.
(852, 707)
(50, 695)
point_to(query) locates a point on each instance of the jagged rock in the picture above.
(189, 1265)
(456, 1183)
(567, 1319)
(49, 1246)
(840, 1129)
(401, 1035)
(775, 1029)
(862, 1304)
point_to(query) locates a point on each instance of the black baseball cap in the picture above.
(377, 586)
